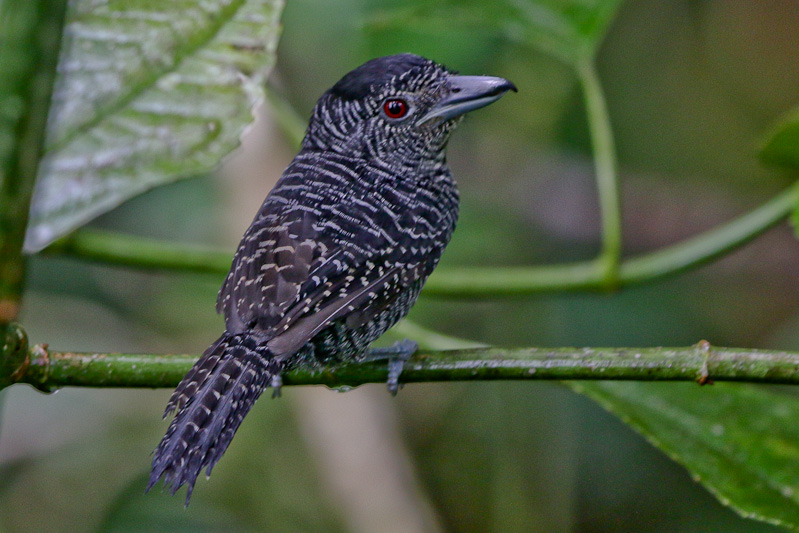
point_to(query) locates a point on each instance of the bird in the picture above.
(336, 255)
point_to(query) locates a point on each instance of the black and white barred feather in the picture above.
(337, 254)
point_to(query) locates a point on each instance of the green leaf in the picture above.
(149, 93)
(781, 149)
(570, 30)
(782, 146)
(740, 441)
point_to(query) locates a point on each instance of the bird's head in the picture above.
(397, 109)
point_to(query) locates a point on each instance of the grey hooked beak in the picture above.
(467, 94)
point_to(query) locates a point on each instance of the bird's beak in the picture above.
(468, 93)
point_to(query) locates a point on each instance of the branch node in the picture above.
(41, 358)
(14, 355)
(703, 378)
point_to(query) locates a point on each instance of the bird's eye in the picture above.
(395, 108)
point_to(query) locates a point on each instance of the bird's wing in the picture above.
(273, 262)
(300, 268)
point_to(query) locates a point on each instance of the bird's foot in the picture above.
(397, 354)
(276, 384)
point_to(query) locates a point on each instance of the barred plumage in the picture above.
(338, 252)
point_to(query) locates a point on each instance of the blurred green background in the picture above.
(692, 87)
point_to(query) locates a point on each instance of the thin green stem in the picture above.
(712, 244)
(605, 169)
(30, 37)
(287, 118)
(463, 282)
(667, 261)
(141, 253)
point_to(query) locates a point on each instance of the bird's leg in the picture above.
(276, 384)
(397, 355)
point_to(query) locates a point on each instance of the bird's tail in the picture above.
(211, 401)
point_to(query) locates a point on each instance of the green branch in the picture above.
(668, 261)
(605, 168)
(49, 370)
(143, 253)
(30, 35)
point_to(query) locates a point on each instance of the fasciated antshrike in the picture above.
(337, 253)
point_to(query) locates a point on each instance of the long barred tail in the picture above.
(211, 401)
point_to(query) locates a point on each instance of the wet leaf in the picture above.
(148, 93)
(570, 30)
(740, 441)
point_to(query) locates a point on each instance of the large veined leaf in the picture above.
(148, 93)
(740, 441)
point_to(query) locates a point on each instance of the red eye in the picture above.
(395, 108)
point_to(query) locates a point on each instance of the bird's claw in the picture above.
(397, 354)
